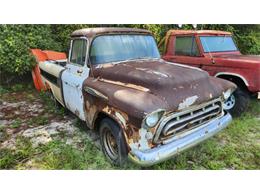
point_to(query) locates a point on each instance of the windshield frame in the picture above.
(230, 36)
(132, 59)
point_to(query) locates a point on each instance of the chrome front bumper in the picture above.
(164, 152)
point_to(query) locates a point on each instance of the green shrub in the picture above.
(15, 44)
(63, 32)
(16, 40)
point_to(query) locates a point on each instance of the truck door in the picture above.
(74, 75)
(185, 50)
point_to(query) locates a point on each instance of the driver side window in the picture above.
(186, 46)
(78, 52)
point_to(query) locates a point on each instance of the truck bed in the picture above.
(46, 73)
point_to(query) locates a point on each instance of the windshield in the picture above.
(218, 43)
(113, 48)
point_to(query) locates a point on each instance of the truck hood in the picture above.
(249, 59)
(140, 87)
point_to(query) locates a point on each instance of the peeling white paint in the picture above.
(142, 69)
(142, 143)
(160, 74)
(187, 102)
(153, 72)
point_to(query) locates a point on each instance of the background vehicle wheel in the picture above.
(113, 142)
(237, 103)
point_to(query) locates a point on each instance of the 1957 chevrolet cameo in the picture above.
(144, 108)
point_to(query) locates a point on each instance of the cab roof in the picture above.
(197, 32)
(92, 32)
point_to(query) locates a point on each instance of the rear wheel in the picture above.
(237, 103)
(112, 142)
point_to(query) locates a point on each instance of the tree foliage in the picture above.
(16, 40)
(15, 44)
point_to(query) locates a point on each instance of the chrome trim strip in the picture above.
(171, 124)
(95, 92)
(165, 119)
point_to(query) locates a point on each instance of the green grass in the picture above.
(16, 123)
(39, 120)
(236, 147)
(23, 152)
(54, 155)
(16, 88)
(3, 134)
(51, 105)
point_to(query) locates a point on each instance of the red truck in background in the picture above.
(216, 53)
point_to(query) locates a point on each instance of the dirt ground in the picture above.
(32, 115)
(35, 134)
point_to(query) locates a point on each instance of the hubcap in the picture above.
(110, 144)
(229, 103)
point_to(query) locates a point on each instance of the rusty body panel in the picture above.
(128, 91)
(167, 87)
(132, 90)
(230, 64)
(167, 84)
(199, 32)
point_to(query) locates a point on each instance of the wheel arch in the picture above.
(238, 79)
(102, 115)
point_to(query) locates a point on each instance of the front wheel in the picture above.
(112, 142)
(237, 103)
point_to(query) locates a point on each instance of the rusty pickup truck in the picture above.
(216, 52)
(145, 109)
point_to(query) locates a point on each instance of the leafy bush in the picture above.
(15, 42)
(248, 38)
(63, 32)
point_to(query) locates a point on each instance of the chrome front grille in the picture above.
(182, 122)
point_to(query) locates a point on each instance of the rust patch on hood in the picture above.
(128, 91)
(154, 84)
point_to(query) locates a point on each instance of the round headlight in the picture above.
(152, 119)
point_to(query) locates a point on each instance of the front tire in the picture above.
(112, 142)
(237, 103)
